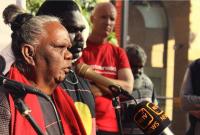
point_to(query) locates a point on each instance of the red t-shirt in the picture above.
(105, 59)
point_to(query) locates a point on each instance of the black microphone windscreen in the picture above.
(2, 64)
(148, 117)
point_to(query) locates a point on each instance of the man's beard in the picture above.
(137, 81)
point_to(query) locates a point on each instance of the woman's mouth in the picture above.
(108, 29)
(67, 69)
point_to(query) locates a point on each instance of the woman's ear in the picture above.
(28, 52)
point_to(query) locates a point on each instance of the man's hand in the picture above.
(97, 91)
(195, 114)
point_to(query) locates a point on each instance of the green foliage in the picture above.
(33, 5)
(85, 5)
(112, 38)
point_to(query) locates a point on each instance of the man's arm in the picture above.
(125, 80)
(189, 101)
(195, 114)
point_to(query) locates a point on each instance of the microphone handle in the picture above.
(98, 89)
(20, 89)
(102, 82)
(88, 73)
(17, 87)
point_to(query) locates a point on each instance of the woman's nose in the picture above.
(68, 55)
(108, 21)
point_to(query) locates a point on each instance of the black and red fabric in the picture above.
(70, 119)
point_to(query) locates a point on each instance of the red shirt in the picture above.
(105, 59)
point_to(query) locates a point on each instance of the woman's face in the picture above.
(53, 59)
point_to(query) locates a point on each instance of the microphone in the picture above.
(2, 64)
(17, 88)
(87, 72)
(148, 117)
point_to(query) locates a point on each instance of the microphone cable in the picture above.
(48, 98)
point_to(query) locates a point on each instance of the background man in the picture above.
(143, 89)
(77, 87)
(108, 60)
(190, 97)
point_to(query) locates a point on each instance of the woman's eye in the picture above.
(68, 48)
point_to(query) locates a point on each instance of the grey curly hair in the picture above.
(137, 52)
(26, 30)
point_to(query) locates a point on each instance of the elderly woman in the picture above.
(40, 45)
